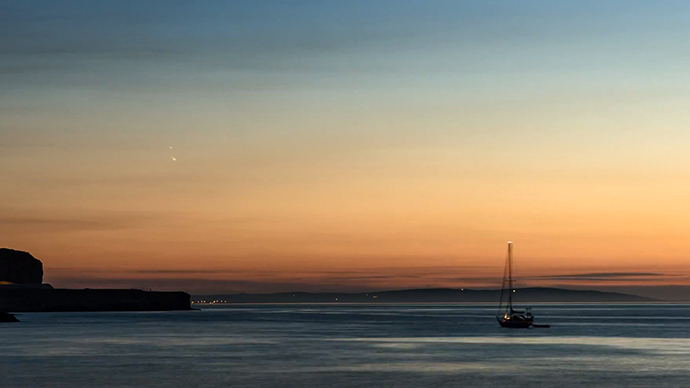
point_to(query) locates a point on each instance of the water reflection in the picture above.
(349, 346)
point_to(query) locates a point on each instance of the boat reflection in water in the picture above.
(508, 316)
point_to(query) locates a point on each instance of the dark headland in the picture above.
(22, 290)
(432, 295)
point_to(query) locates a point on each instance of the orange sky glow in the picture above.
(403, 158)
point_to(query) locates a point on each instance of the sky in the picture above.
(262, 146)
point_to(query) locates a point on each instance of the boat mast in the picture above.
(510, 276)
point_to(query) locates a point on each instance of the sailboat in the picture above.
(507, 315)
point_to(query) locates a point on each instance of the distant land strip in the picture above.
(430, 295)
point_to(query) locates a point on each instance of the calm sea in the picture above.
(350, 346)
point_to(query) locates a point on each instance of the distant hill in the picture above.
(429, 295)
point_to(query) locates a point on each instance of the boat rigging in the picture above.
(507, 315)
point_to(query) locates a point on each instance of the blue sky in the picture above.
(346, 134)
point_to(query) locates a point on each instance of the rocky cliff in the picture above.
(19, 267)
(21, 290)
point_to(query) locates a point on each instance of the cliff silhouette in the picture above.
(22, 290)
(19, 267)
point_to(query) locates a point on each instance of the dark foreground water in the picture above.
(350, 346)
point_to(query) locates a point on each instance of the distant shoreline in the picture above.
(25, 300)
(527, 303)
(535, 295)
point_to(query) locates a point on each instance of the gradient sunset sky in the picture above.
(346, 145)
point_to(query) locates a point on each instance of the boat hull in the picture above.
(515, 324)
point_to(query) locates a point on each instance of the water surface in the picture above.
(350, 346)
